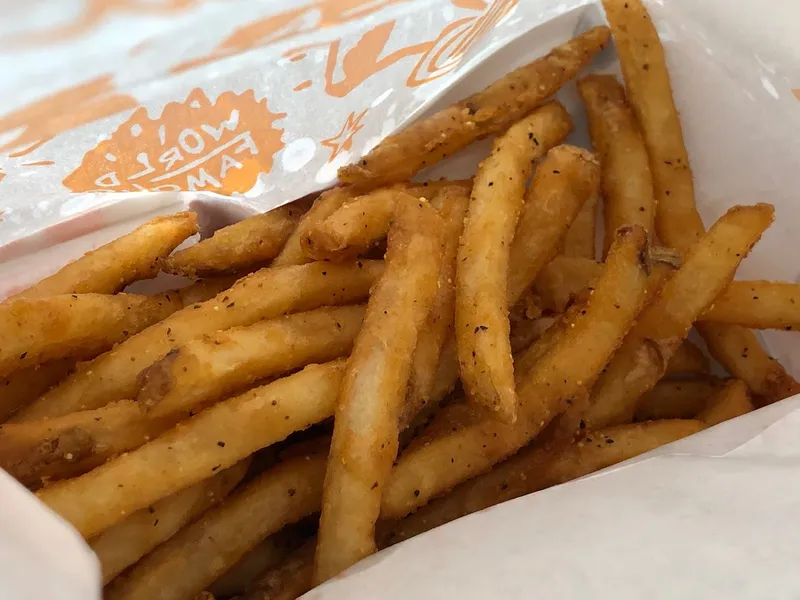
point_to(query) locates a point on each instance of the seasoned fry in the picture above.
(366, 425)
(213, 366)
(252, 241)
(217, 438)
(205, 289)
(579, 240)
(617, 138)
(488, 112)
(263, 295)
(524, 333)
(127, 259)
(757, 304)
(23, 387)
(733, 400)
(562, 184)
(289, 580)
(538, 467)
(462, 442)
(676, 399)
(37, 330)
(118, 547)
(194, 557)
(482, 325)
(707, 269)
(688, 359)
(565, 280)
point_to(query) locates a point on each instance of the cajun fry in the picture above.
(22, 387)
(524, 333)
(565, 280)
(289, 580)
(757, 304)
(580, 237)
(205, 289)
(488, 112)
(482, 325)
(263, 295)
(676, 399)
(366, 425)
(688, 359)
(733, 400)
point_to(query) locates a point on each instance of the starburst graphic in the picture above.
(343, 141)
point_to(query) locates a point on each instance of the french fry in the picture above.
(488, 112)
(676, 399)
(22, 387)
(482, 325)
(563, 182)
(219, 364)
(708, 268)
(462, 442)
(252, 241)
(580, 237)
(37, 330)
(366, 425)
(193, 558)
(263, 295)
(289, 580)
(733, 400)
(127, 259)
(538, 467)
(758, 305)
(525, 333)
(617, 138)
(118, 547)
(688, 359)
(217, 438)
(205, 289)
(564, 280)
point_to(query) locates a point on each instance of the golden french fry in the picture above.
(580, 237)
(217, 438)
(127, 259)
(733, 400)
(562, 184)
(482, 325)
(563, 280)
(757, 304)
(617, 138)
(707, 269)
(266, 294)
(688, 359)
(488, 112)
(541, 466)
(366, 425)
(118, 547)
(193, 558)
(37, 330)
(252, 241)
(289, 580)
(205, 289)
(462, 442)
(676, 399)
(525, 333)
(25, 386)
(219, 364)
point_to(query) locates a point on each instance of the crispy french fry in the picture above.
(22, 387)
(263, 295)
(580, 237)
(193, 558)
(462, 442)
(289, 580)
(219, 364)
(488, 112)
(617, 138)
(541, 466)
(564, 280)
(37, 330)
(733, 400)
(482, 325)
(118, 547)
(205, 289)
(525, 333)
(366, 425)
(217, 438)
(252, 241)
(676, 399)
(688, 359)
(564, 181)
(757, 304)
(127, 259)
(708, 268)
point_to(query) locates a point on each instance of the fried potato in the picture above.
(193, 558)
(488, 112)
(289, 580)
(127, 259)
(118, 547)
(525, 333)
(564, 280)
(757, 304)
(217, 438)
(676, 399)
(218, 364)
(617, 138)
(733, 400)
(462, 442)
(37, 330)
(266, 294)
(708, 268)
(579, 239)
(22, 387)
(541, 466)
(482, 325)
(564, 181)
(688, 359)
(252, 241)
(205, 289)
(366, 424)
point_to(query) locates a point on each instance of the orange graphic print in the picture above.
(44, 119)
(194, 145)
(343, 141)
(796, 93)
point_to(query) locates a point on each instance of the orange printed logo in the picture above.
(796, 93)
(343, 141)
(194, 145)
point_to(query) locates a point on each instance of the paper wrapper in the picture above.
(233, 106)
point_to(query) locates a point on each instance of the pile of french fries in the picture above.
(399, 353)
